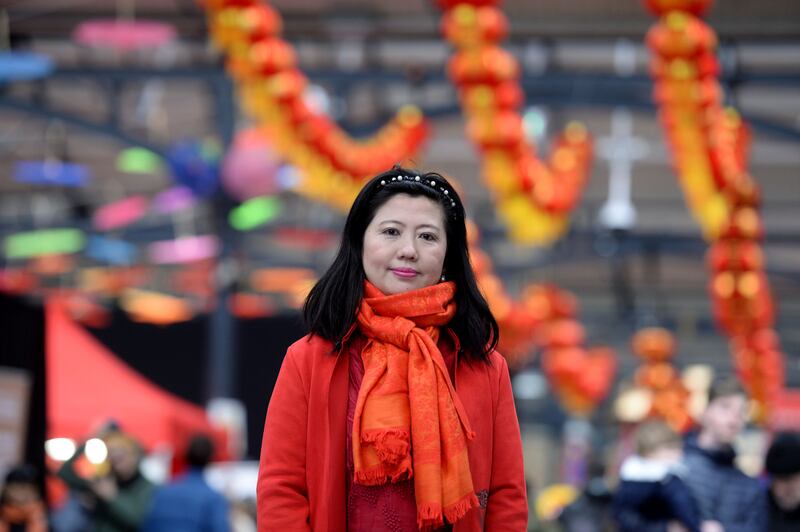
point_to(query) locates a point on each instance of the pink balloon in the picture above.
(250, 168)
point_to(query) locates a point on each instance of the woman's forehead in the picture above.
(404, 207)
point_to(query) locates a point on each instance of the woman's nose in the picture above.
(408, 250)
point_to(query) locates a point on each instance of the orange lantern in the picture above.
(487, 64)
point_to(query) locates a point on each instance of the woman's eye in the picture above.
(429, 237)
(391, 231)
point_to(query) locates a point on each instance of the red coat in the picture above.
(301, 479)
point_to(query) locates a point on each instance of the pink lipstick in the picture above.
(405, 273)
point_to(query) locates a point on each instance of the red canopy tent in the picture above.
(88, 385)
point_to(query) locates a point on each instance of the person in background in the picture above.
(395, 413)
(651, 495)
(591, 510)
(189, 504)
(21, 506)
(116, 500)
(783, 465)
(728, 500)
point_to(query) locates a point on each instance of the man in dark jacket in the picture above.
(728, 500)
(189, 504)
(783, 466)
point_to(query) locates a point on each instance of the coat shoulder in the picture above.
(309, 348)
(498, 363)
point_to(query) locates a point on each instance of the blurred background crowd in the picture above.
(174, 176)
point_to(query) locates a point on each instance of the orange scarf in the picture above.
(407, 401)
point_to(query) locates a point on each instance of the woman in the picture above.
(395, 412)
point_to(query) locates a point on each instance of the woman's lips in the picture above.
(405, 273)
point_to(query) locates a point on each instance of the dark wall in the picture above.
(262, 344)
(173, 357)
(22, 346)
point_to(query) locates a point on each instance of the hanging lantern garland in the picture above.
(670, 398)
(533, 196)
(581, 377)
(517, 324)
(709, 148)
(264, 66)
(545, 318)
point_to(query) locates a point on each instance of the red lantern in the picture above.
(565, 333)
(261, 21)
(680, 35)
(449, 4)
(695, 7)
(222, 4)
(287, 84)
(744, 223)
(467, 26)
(653, 344)
(502, 130)
(270, 56)
(489, 65)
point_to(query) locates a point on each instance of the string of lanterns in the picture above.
(533, 196)
(273, 90)
(545, 318)
(669, 398)
(710, 151)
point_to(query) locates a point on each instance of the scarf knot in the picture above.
(409, 422)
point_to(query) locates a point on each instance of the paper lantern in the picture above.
(489, 65)
(269, 56)
(680, 35)
(653, 344)
(467, 26)
(448, 4)
(250, 170)
(695, 7)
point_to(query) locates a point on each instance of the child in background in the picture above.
(21, 506)
(651, 494)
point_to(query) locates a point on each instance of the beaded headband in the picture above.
(430, 183)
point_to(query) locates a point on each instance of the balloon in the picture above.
(250, 169)
(195, 165)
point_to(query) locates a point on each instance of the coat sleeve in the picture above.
(507, 505)
(282, 492)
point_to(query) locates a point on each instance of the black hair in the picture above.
(199, 451)
(331, 306)
(725, 386)
(21, 474)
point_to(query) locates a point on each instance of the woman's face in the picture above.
(405, 244)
